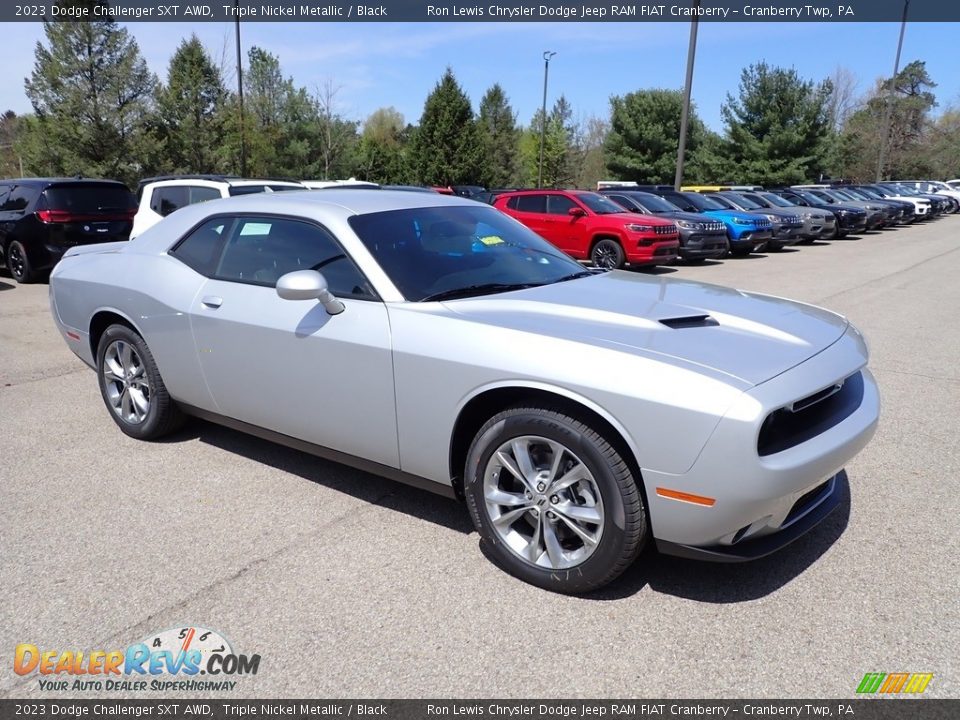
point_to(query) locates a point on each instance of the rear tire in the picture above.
(553, 501)
(18, 263)
(131, 386)
(607, 253)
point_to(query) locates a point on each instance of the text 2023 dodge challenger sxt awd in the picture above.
(439, 342)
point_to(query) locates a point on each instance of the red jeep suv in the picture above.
(588, 225)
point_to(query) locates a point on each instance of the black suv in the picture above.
(42, 218)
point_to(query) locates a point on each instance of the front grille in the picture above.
(809, 416)
(665, 229)
(715, 227)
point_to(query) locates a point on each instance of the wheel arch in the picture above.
(606, 235)
(487, 402)
(101, 320)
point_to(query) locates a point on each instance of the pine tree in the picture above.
(91, 91)
(190, 111)
(779, 128)
(645, 135)
(446, 147)
(499, 137)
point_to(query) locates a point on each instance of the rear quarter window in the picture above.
(89, 199)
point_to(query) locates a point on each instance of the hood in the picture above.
(629, 216)
(688, 216)
(749, 337)
(737, 215)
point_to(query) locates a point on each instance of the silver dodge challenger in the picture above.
(436, 341)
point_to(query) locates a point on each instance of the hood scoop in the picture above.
(688, 321)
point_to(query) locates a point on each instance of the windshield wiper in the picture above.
(472, 290)
(582, 273)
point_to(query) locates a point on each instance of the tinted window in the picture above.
(201, 249)
(260, 250)
(4, 193)
(89, 199)
(757, 200)
(624, 201)
(655, 204)
(694, 202)
(199, 194)
(559, 204)
(531, 203)
(599, 204)
(723, 202)
(166, 200)
(776, 200)
(19, 198)
(432, 250)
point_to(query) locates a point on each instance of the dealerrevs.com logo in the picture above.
(183, 658)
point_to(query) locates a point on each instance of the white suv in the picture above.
(160, 196)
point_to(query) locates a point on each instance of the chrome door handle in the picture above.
(212, 301)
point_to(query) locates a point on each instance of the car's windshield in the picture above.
(437, 251)
(808, 196)
(702, 202)
(870, 193)
(599, 204)
(655, 204)
(745, 202)
(723, 202)
(844, 195)
(776, 200)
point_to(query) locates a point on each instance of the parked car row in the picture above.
(618, 224)
(624, 223)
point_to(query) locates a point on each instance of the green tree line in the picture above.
(98, 110)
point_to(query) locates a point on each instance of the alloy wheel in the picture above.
(126, 382)
(543, 502)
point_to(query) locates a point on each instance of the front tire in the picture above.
(553, 501)
(131, 386)
(607, 254)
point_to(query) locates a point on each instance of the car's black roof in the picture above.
(59, 181)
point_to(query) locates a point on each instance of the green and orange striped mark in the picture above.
(894, 683)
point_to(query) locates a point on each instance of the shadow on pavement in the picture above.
(356, 483)
(731, 583)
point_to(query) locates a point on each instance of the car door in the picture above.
(287, 365)
(531, 210)
(566, 231)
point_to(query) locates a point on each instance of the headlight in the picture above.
(772, 218)
(687, 225)
(639, 228)
(742, 221)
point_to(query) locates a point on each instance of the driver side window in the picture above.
(260, 250)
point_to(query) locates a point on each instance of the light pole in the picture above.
(685, 114)
(243, 135)
(888, 112)
(543, 115)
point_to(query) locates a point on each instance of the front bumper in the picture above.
(660, 252)
(756, 497)
(696, 245)
(809, 513)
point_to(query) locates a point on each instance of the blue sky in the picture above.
(397, 64)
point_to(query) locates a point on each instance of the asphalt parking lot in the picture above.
(349, 585)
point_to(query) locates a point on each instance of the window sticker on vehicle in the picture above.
(492, 240)
(255, 229)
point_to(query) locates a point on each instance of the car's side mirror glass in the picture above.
(308, 285)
